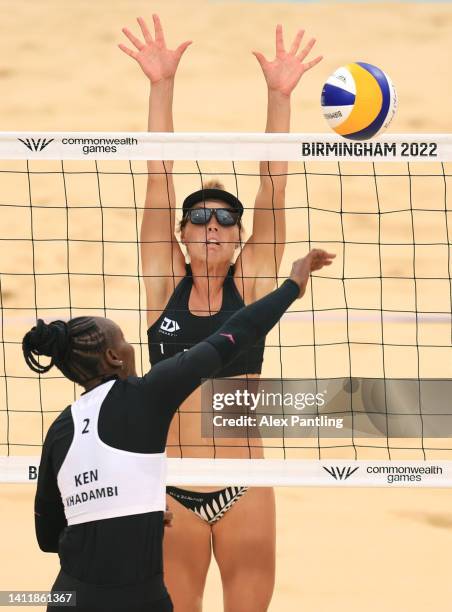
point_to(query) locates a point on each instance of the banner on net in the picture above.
(222, 146)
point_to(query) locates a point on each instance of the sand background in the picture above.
(61, 70)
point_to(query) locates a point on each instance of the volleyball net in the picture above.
(372, 337)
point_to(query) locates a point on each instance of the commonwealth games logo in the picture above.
(36, 144)
(340, 473)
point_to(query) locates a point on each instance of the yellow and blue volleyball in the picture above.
(359, 101)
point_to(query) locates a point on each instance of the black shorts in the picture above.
(151, 596)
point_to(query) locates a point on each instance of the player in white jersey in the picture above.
(101, 488)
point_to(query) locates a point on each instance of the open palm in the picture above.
(283, 73)
(156, 60)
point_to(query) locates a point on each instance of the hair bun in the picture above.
(51, 340)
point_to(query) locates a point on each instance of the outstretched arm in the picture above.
(265, 248)
(161, 256)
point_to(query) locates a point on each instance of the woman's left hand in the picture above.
(283, 73)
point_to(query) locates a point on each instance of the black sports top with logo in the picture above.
(177, 329)
(123, 548)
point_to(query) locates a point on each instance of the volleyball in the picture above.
(359, 101)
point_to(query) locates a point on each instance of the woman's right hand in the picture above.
(157, 61)
(302, 268)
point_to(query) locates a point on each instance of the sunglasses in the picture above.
(201, 216)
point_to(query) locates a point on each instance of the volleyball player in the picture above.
(101, 488)
(185, 304)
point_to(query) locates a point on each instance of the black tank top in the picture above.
(177, 329)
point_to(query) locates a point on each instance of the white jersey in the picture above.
(97, 481)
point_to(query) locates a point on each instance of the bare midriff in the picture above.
(185, 439)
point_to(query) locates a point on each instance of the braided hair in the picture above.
(74, 347)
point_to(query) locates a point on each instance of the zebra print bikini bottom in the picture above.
(208, 506)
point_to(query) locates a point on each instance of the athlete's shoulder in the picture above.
(131, 382)
(62, 425)
(63, 416)
(136, 385)
(126, 392)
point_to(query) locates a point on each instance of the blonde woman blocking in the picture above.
(185, 303)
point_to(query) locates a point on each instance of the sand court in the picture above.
(338, 549)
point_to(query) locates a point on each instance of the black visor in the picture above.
(213, 194)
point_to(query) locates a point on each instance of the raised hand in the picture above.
(302, 268)
(283, 73)
(157, 61)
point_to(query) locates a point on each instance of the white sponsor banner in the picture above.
(276, 472)
(19, 469)
(222, 146)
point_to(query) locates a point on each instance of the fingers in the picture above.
(159, 36)
(144, 29)
(279, 40)
(182, 47)
(320, 264)
(316, 259)
(304, 52)
(128, 51)
(320, 254)
(313, 62)
(296, 42)
(260, 58)
(320, 258)
(133, 39)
